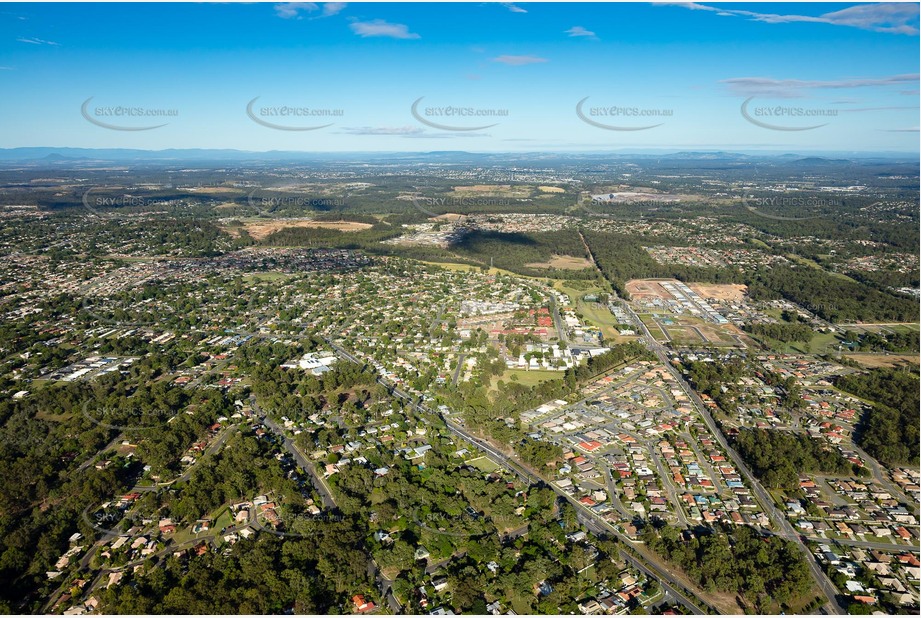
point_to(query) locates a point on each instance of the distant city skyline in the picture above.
(479, 77)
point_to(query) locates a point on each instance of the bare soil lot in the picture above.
(492, 191)
(729, 291)
(647, 289)
(563, 262)
(260, 230)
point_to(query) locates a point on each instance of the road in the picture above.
(603, 528)
(557, 320)
(866, 544)
(460, 365)
(319, 484)
(784, 528)
(881, 474)
(329, 502)
(667, 483)
(657, 569)
(86, 464)
(612, 491)
(108, 536)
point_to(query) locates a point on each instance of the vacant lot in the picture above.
(685, 335)
(884, 360)
(449, 216)
(483, 463)
(259, 230)
(730, 291)
(647, 289)
(492, 190)
(563, 262)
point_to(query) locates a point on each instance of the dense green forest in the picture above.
(762, 571)
(265, 575)
(883, 341)
(778, 457)
(621, 258)
(833, 298)
(781, 332)
(889, 430)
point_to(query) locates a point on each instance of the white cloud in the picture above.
(514, 8)
(516, 61)
(383, 130)
(333, 8)
(580, 31)
(888, 17)
(379, 27)
(34, 41)
(407, 132)
(795, 88)
(290, 10)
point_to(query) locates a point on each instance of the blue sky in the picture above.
(683, 69)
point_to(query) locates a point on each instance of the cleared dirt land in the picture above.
(647, 289)
(884, 360)
(259, 230)
(729, 291)
(563, 262)
(492, 190)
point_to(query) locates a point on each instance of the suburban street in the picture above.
(655, 568)
(785, 529)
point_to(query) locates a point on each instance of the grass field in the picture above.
(563, 262)
(884, 360)
(683, 335)
(269, 276)
(819, 344)
(593, 313)
(483, 463)
(529, 377)
(883, 328)
(653, 327)
(798, 259)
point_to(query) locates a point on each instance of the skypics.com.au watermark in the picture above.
(464, 525)
(123, 117)
(266, 205)
(426, 204)
(290, 117)
(592, 115)
(758, 205)
(126, 419)
(108, 206)
(778, 117)
(444, 117)
(117, 517)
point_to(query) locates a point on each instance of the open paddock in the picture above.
(261, 230)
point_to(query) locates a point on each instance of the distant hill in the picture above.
(60, 155)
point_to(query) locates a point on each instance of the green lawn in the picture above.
(595, 314)
(819, 344)
(269, 276)
(483, 463)
(530, 377)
